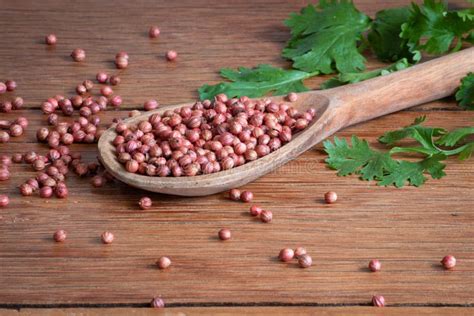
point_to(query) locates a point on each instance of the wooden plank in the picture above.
(223, 311)
(197, 30)
(409, 229)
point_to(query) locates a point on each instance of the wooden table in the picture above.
(408, 229)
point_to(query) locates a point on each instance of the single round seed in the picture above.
(26, 189)
(50, 39)
(88, 84)
(157, 302)
(98, 181)
(61, 191)
(107, 237)
(292, 97)
(246, 196)
(171, 55)
(106, 91)
(38, 165)
(10, 85)
(17, 158)
(16, 130)
(4, 137)
(255, 210)
(60, 236)
(266, 216)
(234, 194)
(224, 234)
(305, 261)
(375, 265)
(3, 88)
(299, 251)
(378, 301)
(116, 101)
(150, 105)
(46, 192)
(286, 254)
(78, 55)
(121, 62)
(6, 106)
(145, 203)
(154, 32)
(114, 80)
(4, 200)
(163, 263)
(102, 77)
(17, 103)
(330, 197)
(448, 262)
(4, 174)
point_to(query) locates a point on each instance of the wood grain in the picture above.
(408, 229)
(223, 311)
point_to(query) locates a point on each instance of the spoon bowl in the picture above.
(335, 109)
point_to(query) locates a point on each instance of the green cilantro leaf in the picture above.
(433, 29)
(384, 37)
(326, 38)
(454, 137)
(412, 172)
(359, 158)
(256, 82)
(465, 94)
(346, 78)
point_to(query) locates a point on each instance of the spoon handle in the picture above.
(431, 80)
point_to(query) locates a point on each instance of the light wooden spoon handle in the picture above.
(422, 83)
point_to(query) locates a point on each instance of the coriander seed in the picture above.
(171, 55)
(299, 251)
(266, 216)
(255, 210)
(375, 265)
(286, 254)
(154, 32)
(50, 39)
(378, 301)
(234, 194)
(4, 200)
(157, 302)
(60, 236)
(224, 234)
(448, 262)
(330, 197)
(163, 263)
(305, 261)
(145, 203)
(246, 196)
(78, 55)
(107, 237)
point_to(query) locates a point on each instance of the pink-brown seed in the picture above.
(4, 200)
(163, 263)
(150, 105)
(224, 234)
(375, 265)
(266, 216)
(246, 196)
(102, 77)
(171, 55)
(157, 302)
(50, 39)
(234, 194)
(305, 261)
(121, 62)
(60, 236)
(107, 237)
(78, 55)
(145, 203)
(448, 262)
(286, 254)
(10, 85)
(255, 210)
(154, 32)
(378, 301)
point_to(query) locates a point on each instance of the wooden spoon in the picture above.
(336, 108)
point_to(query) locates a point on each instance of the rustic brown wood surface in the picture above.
(408, 229)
